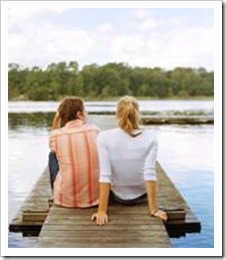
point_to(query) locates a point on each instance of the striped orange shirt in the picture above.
(76, 184)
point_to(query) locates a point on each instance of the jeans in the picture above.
(114, 198)
(53, 168)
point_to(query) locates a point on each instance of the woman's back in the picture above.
(132, 160)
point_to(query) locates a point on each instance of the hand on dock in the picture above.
(160, 214)
(101, 218)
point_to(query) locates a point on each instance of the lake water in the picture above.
(154, 106)
(185, 152)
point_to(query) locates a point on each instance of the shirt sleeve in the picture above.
(150, 162)
(104, 160)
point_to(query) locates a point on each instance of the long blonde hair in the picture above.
(127, 112)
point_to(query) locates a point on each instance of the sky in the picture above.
(146, 37)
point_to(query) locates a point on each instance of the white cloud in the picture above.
(148, 24)
(166, 42)
(189, 47)
(21, 14)
(141, 14)
(19, 17)
(41, 45)
(104, 28)
(149, 42)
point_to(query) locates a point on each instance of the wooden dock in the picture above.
(32, 214)
(128, 227)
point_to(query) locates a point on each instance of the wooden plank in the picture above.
(34, 216)
(26, 220)
(90, 233)
(77, 230)
(72, 244)
(137, 241)
(169, 198)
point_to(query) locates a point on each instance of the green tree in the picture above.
(112, 79)
(88, 75)
(16, 79)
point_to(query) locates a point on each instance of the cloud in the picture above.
(141, 14)
(34, 43)
(104, 28)
(22, 17)
(175, 48)
(148, 24)
(166, 43)
(47, 44)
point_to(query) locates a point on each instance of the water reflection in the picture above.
(35, 120)
(193, 145)
(39, 120)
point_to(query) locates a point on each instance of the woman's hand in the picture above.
(160, 214)
(100, 217)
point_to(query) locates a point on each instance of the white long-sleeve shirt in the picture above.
(127, 162)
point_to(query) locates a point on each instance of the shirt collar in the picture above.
(75, 123)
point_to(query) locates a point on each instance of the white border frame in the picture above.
(217, 250)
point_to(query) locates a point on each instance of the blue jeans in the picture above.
(53, 168)
(114, 198)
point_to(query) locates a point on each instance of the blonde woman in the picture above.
(127, 159)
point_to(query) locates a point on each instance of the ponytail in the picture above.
(128, 114)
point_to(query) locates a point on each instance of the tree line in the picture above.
(110, 80)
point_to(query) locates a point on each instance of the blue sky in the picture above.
(163, 37)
